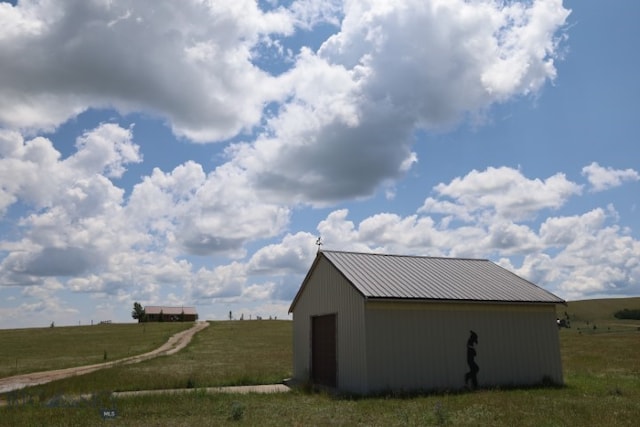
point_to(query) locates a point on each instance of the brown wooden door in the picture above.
(323, 350)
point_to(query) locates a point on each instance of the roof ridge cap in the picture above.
(404, 255)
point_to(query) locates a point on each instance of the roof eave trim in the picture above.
(451, 300)
(316, 260)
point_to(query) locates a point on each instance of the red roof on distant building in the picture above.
(156, 309)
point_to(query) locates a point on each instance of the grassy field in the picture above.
(601, 370)
(225, 353)
(597, 315)
(41, 349)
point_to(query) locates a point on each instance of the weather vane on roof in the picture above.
(319, 242)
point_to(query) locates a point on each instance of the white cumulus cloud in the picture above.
(189, 62)
(392, 68)
(602, 178)
(504, 191)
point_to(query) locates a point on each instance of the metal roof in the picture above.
(155, 309)
(430, 278)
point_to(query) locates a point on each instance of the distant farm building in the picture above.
(154, 313)
(369, 323)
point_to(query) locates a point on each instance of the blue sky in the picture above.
(191, 153)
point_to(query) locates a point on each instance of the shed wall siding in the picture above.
(327, 292)
(426, 342)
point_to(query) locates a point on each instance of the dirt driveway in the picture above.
(176, 343)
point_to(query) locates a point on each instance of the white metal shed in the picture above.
(369, 323)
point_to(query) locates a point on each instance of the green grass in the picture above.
(40, 349)
(225, 353)
(584, 315)
(601, 369)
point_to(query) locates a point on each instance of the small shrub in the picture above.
(237, 411)
(191, 383)
(616, 391)
(628, 314)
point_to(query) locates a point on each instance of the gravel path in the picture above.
(176, 343)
